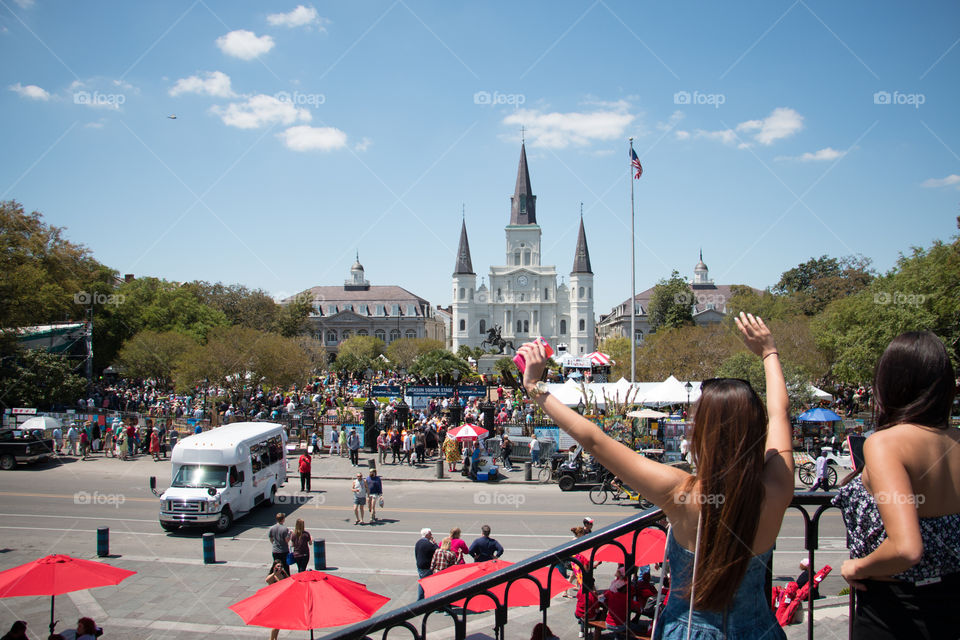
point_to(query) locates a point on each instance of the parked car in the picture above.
(20, 446)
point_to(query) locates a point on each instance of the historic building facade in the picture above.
(524, 298)
(708, 303)
(361, 309)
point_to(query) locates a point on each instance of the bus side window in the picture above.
(255, 456)
(275, 445)
(234, 477)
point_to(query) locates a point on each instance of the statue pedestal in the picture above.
(485, 363)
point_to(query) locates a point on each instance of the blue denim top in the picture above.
(747, 616)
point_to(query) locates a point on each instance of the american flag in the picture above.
(635, 161)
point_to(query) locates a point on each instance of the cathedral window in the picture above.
(526, 257)
(526, 326)
(519, 326)
(463, 325)
(583, 324)
(581, 293)
(546, 293)
(516, 258)
(483, 327)
(463, 293)
(499, 294)
(563, 327)
(589, 292)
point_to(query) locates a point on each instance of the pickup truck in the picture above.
(19, 446)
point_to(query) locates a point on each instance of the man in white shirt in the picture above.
(822, 482)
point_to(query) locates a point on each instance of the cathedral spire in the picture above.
(464, 263)
(581, 259)
(523, 204)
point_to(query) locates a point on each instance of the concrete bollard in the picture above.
(209, 552)
(320, 555)
(440, 468)
(103, 541)
(528, 471)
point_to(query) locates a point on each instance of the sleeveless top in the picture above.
(747, 616)
(865, 532)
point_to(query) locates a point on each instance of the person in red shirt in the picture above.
(304, 466)
(588, 606)
(617, 614)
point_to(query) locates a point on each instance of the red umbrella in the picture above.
(467, 432)
(649, 549)
(523, 593)
(309, 600)
(57, 574)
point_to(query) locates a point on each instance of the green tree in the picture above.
(292, 316)
(689, 353)
(463, 351)
(747, 366)
(618, 348)
(362, 346)
(403, 351)
(671, 303)
(154, 354)
(440, 362)
(817, 282)
(40, 379)
(246, 307)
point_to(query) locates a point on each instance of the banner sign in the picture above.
(386, 390)
(446, 391)
(20, 411)
(578, 363)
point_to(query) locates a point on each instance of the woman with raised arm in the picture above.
(725, 519)
(903, 512)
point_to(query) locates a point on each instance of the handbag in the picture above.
(381, 502)
(290, 559)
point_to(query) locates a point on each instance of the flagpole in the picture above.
(633, 275)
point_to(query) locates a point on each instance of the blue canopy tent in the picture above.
(818, 415)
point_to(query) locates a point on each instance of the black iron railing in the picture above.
(405, 617)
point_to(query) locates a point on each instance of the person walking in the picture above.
(359, 497)
(407, 448)
(534, 451)
(353, 443)
(420, 446)
(300, 540)
(334, 442)
(374, 494)
(395, 443)
(84, 444)
(303, 464)
(423, 553)
(506, 448)
(155, 445)
(279, 537)
(822, 481)
(726, 518)
(382, 448)
(485, 548)
(57, 440)
(277, 573)
(343, 442)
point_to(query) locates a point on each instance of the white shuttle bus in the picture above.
(221, 474)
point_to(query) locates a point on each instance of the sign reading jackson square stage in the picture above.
(446, 391)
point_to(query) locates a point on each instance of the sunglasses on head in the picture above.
(707, 383)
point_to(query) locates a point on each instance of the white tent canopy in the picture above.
(671, 391)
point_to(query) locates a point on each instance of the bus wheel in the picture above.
(224, 521)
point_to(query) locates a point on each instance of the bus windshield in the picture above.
(195, 475)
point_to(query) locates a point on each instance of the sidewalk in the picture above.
(339, 468)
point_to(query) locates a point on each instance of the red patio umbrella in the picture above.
(57, 574)
(649, 549)
(309, 600)
(523, 593)
(467, 432)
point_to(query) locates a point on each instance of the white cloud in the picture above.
(25, 4)
(299, 17)
(682, 135)
(306, 138)
(214, 83)
(31, 91)
(557, 130)
(363, 145)
(950, 181)
(781, 123)
(823, 155)
(726, 136)
(244, 44)
(260, 110)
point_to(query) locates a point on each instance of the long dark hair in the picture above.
(728, 442)
(914, 382)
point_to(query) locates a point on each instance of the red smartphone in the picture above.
(522, 364)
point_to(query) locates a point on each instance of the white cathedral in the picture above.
(524, 299)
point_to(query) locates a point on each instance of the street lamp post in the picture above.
(689, 388)
(455, 407)
(403, 410)
(369, 415)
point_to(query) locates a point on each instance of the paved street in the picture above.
(57, 509)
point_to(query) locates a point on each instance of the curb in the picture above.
(444, 479)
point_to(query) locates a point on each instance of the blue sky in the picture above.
(769, 131)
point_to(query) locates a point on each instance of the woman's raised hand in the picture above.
(755, 334)
(536, 361)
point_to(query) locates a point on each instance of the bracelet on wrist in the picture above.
(772, 353)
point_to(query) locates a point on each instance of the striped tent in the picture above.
(600, 359)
